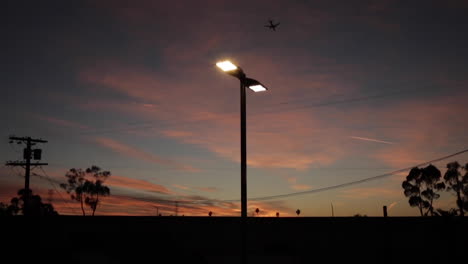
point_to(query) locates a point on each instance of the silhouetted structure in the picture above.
(28, 154)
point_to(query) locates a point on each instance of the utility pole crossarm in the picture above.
(28, 138)
(22, 163)
(28, 155)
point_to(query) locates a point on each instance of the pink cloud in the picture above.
(372, 140)
(62, 122)
(212, 127)
(140, 154)
(426, 131)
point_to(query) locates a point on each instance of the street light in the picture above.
(231, 69)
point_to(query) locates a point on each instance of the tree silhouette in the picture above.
(298, 212)
(210, 213)
(257, 211)
(421, 186)
(8, 209)
(86, 187)
(458, 184)
(277, 214)
(431, 178)
(36, 206)
(450, 212)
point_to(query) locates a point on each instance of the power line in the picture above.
(147, 125)
(49, 179)
(286, 195)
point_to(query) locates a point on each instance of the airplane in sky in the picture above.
(272, 25)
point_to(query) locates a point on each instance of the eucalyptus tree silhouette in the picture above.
(86, 186)
(458, 183)
(433, 184)
(421, 186)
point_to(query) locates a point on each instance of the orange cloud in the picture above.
(294, 185)
(207, 189)
(301, 187)
(136, 184)
(392, 205)
(364, 193)
(181, 186)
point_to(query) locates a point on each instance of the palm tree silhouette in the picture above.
(298, 212)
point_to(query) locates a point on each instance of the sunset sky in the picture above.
(356, 89)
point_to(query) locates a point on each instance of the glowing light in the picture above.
(258, 88)
(226, 66)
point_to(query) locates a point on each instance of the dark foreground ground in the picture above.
(101, 240)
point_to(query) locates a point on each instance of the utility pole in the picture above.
(28, 154)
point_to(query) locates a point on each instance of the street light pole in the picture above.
(243, 151)
(255, 86)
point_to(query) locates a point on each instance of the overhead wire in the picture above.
(49, 179)
(135, 126)
(286, 195)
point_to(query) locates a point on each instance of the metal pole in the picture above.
(26, 177)
(243, 153)
(243, 176)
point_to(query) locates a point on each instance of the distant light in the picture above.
(226, 66)
(258, 88)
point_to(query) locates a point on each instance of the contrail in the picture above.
(391, 205)
(373, 140)
(342, 185)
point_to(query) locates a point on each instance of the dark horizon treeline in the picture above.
(422, 186)
(36, 207)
